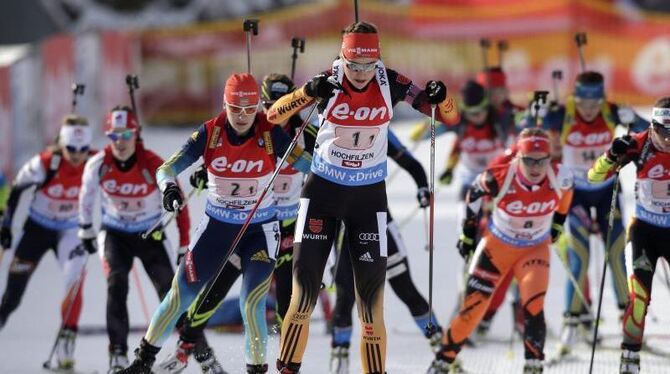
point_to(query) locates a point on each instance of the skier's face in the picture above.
(660, 136)
(534, 165)
(123, 143)
(588, 109)
(75, 156)
(359, 71)
(241, 118)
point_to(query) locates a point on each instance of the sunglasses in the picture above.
(529, 161)
(122, 135)
(73, 149)
(660, 128)
(359, 68)
(236, 109)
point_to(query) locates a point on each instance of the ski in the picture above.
(70, 371)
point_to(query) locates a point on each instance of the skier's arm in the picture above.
(484, 185)
(402, 89)
(288, 105)
(299, 158)
(182, 159)
(31, 174)
(309, 136)
(183, 220)
(90, 185)
(399, 153)
(627, 116)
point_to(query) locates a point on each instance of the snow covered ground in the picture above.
(27, 339)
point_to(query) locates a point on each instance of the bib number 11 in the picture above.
(355, 138)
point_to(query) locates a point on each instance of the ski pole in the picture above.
(431, 220)
(250, 27)
(608, 242)
(247, 221)
(575, 284)
(356, 10)
(539, 98)
(415, 210)
(172, 215)
(298, 45)
(484, 45)
(503, 46)
(77, 90)
(580, 40)
(47, 364)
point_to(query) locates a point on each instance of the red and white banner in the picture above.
(118, 57)
(6, 122)
(57, 78)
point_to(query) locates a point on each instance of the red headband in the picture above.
(533, 143)
(360, 45)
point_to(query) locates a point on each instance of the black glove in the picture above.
(88, 236)
(466, 242)
(6, 237)
(447, 176)
(436, 91)
(556, 232)
(181, 252)
(423, 196)
(321, 87)
(171, 194)
(199, 177)
(621, 146)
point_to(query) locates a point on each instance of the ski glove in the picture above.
(181, 252)
(87, 236)
(199, 177)
(447, 176)
(423, 195)
(466, 246)
(556, 232)
(321, 87)
(6, 237)
(621, 146)
(171, 195)
(436, 91)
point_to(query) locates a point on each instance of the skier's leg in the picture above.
(497, 300)
(366, 235)
(257, 252)
(642, 256)
(283, 267)
(71, 257)
(118, 260)
(344, 300)
(34, 242)
(490, 263)
(578, 255)
(400, 279)
(314, 235)
(532, 273)
(616, 256)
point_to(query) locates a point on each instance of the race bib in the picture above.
(58, 207)
(282, 184)
(660, 189)
(129, 205)
(355, 138)
(236, 187)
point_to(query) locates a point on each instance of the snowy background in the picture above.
(26, 340)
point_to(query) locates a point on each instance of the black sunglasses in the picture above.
(529, 161)
(73, 149)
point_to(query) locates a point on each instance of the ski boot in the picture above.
(257, 369)
(208, 362)
(440, 365)
(588, 326)
(630, 362)
(339, 360)
(533, 366)
(117, 360)
(435, 340)
(483, 329)
(569, 335)
(290, 368)
(176, 362)
(65, 349)
(145, 356)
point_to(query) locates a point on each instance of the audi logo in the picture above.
(368, 236)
